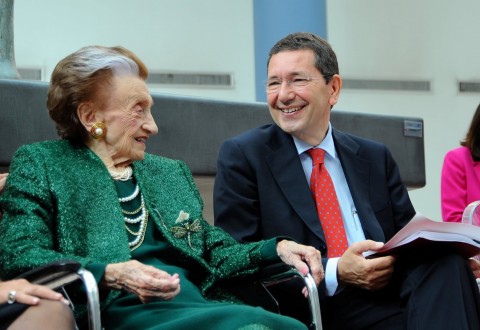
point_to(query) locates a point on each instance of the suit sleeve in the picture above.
(402, 205)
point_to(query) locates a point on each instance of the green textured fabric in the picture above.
(60, 202)
(189, 307)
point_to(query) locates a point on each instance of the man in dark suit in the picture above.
(262, 190)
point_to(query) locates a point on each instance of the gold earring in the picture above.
(98, 130)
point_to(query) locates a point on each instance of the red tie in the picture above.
(327, 205)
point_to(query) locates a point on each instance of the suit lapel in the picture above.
(288, 172)
(357, 173)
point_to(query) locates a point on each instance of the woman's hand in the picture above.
(27, 293)
(304, 258)
(3, 180)
(147, 282)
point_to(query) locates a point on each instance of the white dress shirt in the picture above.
(351, 222)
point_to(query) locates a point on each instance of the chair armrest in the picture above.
(54, 275)
(268, 290)
(93, 306)
(279, 273)
(57, 274)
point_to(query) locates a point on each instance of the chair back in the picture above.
(471, 214)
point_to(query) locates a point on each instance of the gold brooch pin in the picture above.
(185, 228)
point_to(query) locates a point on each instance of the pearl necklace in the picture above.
(131, 197)
(140, 234)
(141, 219)
(122, 176)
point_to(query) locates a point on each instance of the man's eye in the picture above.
(273, 83)
(300, 80)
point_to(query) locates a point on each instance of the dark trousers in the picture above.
(424, 293)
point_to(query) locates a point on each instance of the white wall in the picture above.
(208, 36)
(434, 40)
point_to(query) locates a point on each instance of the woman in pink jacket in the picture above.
(460, 182)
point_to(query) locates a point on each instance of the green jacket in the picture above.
(60, 202)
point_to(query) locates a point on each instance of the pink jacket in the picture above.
(460, 184)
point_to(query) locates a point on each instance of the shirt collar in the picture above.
(326, 144)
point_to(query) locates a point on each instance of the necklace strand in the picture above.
(131, 197)
(140, 229)
(133, 212)
(140, 237)
(142, 219)
(123, 176)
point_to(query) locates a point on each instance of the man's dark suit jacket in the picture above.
(261, 190)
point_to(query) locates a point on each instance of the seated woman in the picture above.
(133, 219)
(460, 179)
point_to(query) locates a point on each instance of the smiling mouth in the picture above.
(141, 140)
(291, 110)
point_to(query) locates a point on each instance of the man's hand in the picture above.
(147, 282)
(371, 274)
(303, 258)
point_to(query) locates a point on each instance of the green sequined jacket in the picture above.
(60, 202)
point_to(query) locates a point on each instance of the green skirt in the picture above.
(129, 313)
(189, 309)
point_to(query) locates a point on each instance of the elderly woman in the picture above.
(133, 219)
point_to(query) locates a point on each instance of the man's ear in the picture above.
(336, 86)
(86, 115)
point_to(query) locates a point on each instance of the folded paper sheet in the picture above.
(422, 235)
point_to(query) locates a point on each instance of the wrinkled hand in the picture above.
(147, 282)
(28, 293)
(3, 180)
(371, 274)
(475, 266)
(304, 258)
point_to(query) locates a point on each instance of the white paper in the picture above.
(421, 227)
